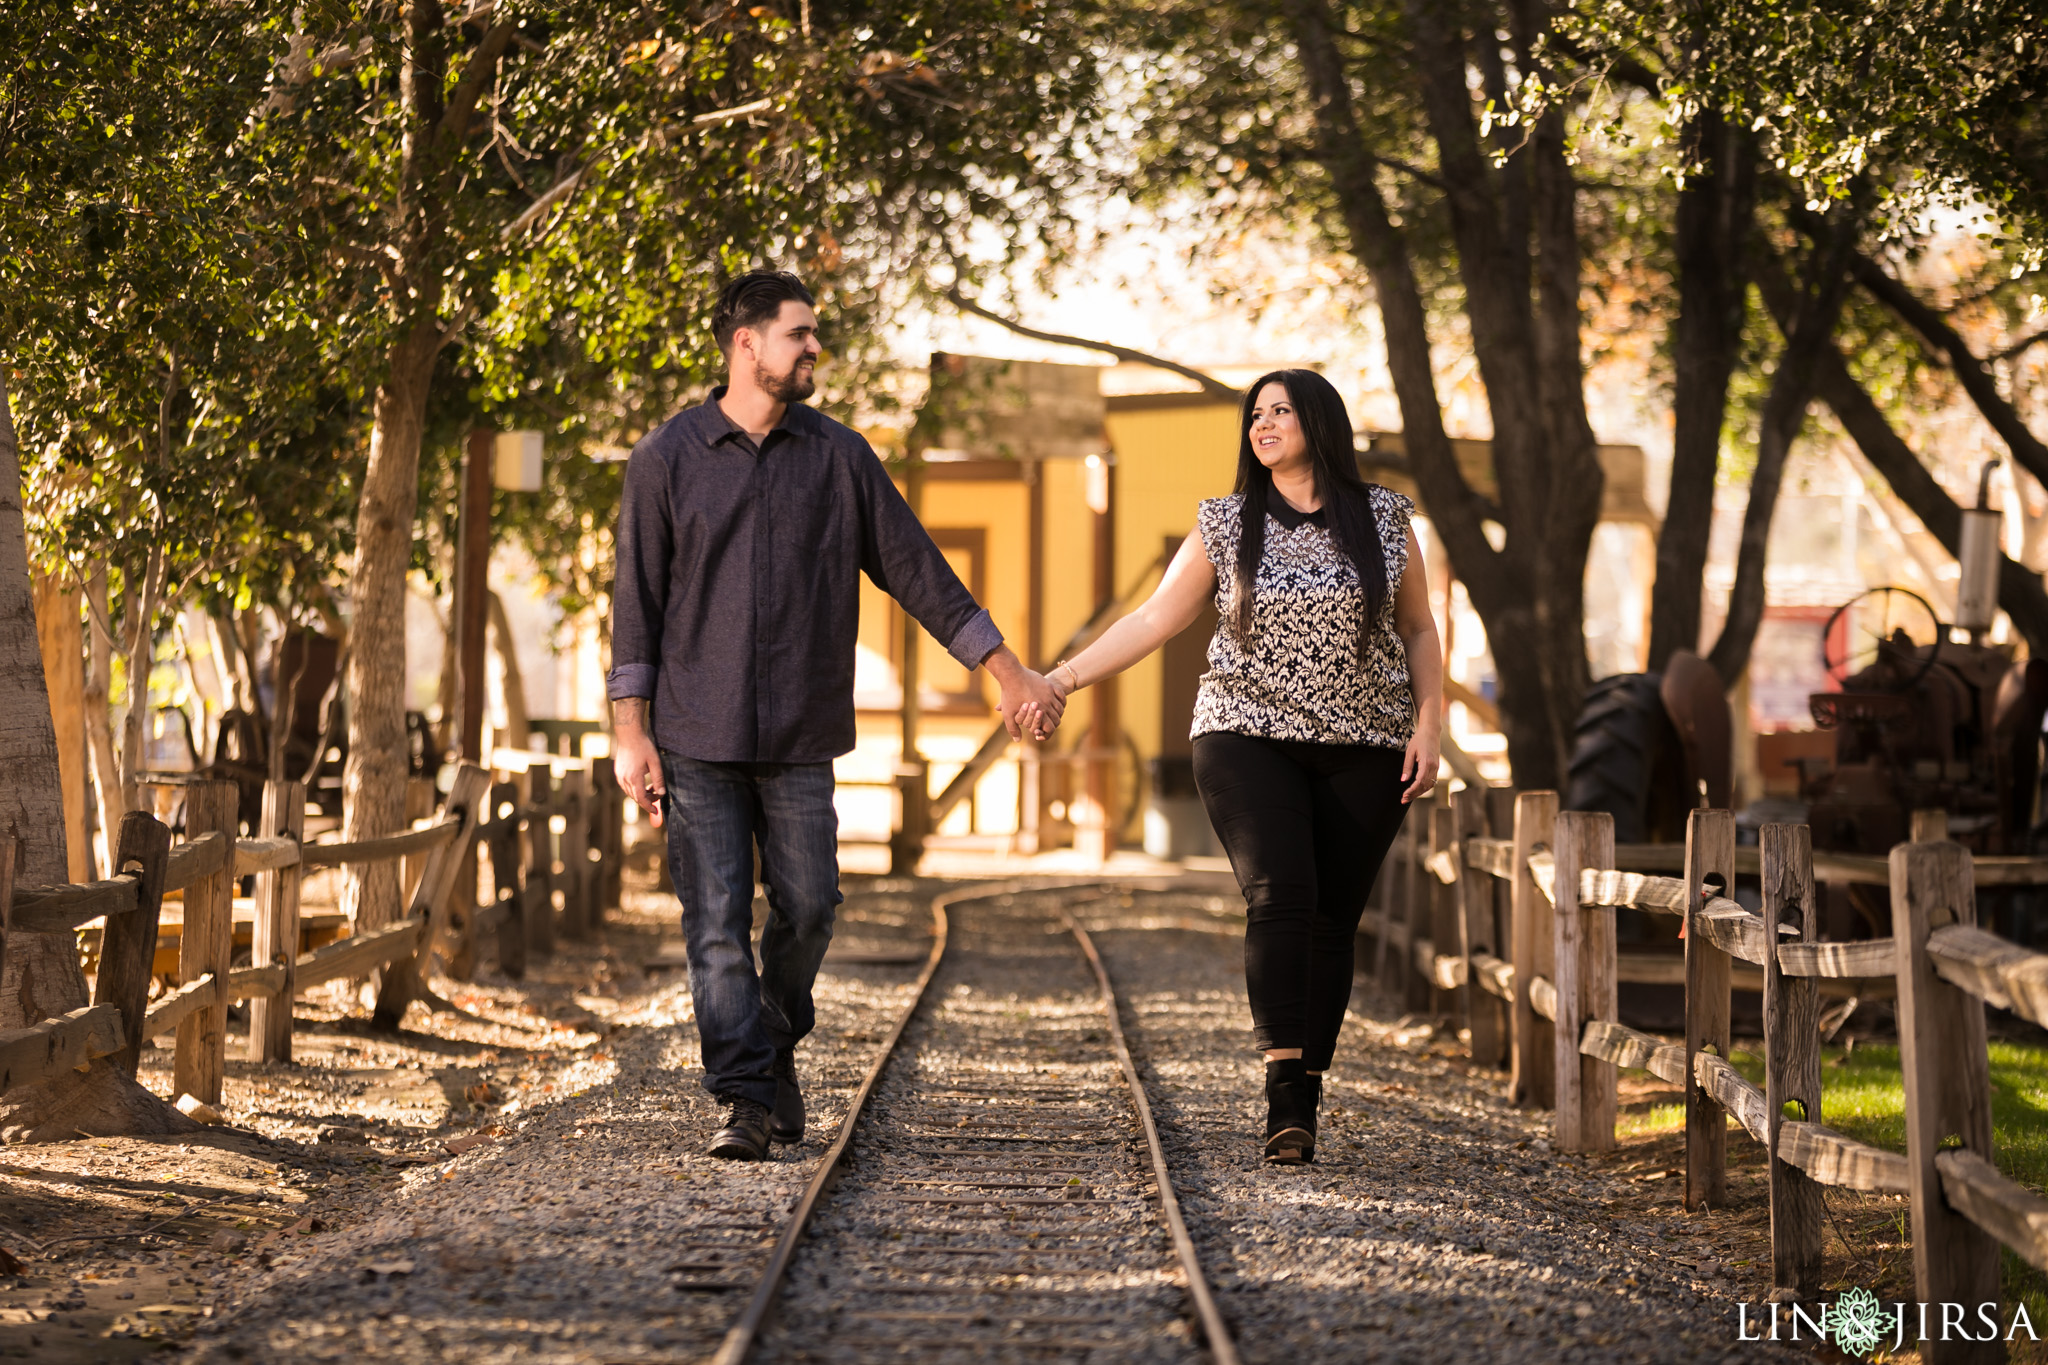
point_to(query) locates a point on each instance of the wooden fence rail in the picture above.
(571, 845)
(1561, 876)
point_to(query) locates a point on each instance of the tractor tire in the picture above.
(1627, 760)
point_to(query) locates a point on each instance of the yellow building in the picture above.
(1050, 501)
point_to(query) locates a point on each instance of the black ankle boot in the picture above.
(1291, 1098)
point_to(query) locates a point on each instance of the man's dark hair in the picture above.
(752, 299)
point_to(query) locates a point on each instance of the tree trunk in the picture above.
(1518, 258)
(99, 716)
(32, 799)
(516, 727)
(1563, 528)
(1809, 331)
(139, 619)
(63, 647)
(448, 734)
(1714, 213)
(41, 976)
(373, 781)
(243, 632)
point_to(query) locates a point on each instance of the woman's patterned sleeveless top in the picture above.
(1299, 676)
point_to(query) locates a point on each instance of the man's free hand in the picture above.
(635, 761)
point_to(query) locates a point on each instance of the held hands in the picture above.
(1418, 769)
(1033, 717)
(1032, 707)
(1030, 704)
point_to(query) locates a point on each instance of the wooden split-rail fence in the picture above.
(552, 830)
(1540, 994)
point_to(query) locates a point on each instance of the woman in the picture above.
(1319, 720)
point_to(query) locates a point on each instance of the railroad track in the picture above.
(997, 1190)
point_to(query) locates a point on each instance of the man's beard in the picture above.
(795, 386)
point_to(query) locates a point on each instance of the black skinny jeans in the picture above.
(1306, 827)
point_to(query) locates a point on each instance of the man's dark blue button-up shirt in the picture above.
(737, 600)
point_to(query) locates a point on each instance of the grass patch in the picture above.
(1657, 1118)
(1863, 1095)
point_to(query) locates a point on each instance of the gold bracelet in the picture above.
(1075, 685)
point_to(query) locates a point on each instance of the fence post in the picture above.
(501, 842)
(128, 944)
(576, 915)
(401, 983)
(539, 895)
(1416, 993)
(419, 804)
(1387, 887)
(8, 844)
(1709, 852)
(275, 937)
(1397, 959)
(1533, 1078)
(1585, 984)
(611, 807)
(458, 950)
(1499, 916)
(1483, 1015)
(1791, 1057)
(1445, 933)
(207, 945)
(1948, 1089)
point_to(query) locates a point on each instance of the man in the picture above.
(744, 528)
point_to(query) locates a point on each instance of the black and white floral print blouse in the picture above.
(1299, 676)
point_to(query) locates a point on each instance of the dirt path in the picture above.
(1435, 1224)
(333, 1203)
(333, 1223)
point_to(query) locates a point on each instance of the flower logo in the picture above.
(1859, 1323)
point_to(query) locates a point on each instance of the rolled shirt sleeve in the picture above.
(978, 639)
(640, 590)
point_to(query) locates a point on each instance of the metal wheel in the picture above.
(1870, 623)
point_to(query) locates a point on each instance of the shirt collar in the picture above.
(717, 427)
(1280, 510)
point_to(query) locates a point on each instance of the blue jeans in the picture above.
(717, 813)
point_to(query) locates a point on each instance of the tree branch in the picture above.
(2020, 593)
(1414, 172)
(1625, 69)
(2020, 347)
(556, 193)
(734, 114)
(453, 124)
(1974, 375)
(1212, 386)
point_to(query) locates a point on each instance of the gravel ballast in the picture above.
(580, 1221)
(1435, 1223)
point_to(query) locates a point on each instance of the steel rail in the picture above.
(1222, 1347)
(741, 1337)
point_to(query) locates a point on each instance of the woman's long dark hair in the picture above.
(1347, 508)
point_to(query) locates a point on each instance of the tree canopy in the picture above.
(1931, 103)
